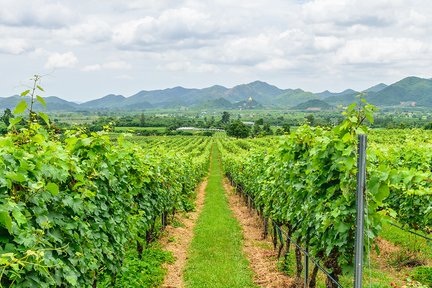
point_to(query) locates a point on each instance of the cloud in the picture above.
(37, 13)
(91, 31)
(382, 51)
(14, 46)
(113, 65)
(58, 60)
(172, 29)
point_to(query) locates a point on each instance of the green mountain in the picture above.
(220, 103)
(376, 88)
(52, 103)
(260, 91)
(108, 102)
(290, 98)
(315, 104)
(328, 94)
(411, 91)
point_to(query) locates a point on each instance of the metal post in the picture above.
(361, 183)
(306, 280)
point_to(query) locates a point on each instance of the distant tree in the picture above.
(256, 130)
(310, 119)
(260, 121)
(428, 126)
(279, 131)
(286, 128)
(6, 116)
(3, 128)
(238, 129)
(142, 120)
(225, 117)
(267, 129)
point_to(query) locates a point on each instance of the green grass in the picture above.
(407, 241)
(216, 258)
(145, 272)
(134, 129)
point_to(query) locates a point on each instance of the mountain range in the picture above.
(410, 91)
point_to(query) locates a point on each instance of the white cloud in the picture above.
(93, 30)
(382, 50)
(113, 65)
(58, 60)
(171, 43)
(38, 13)
(14, 46)
(327, 43)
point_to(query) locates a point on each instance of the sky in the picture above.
(86, 49)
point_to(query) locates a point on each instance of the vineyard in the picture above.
(73, 205)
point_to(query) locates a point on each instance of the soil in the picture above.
(177, 240)
(259, 251)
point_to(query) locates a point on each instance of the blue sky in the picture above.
(87, 49)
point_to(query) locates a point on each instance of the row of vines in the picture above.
(71, 204)
(306, 182)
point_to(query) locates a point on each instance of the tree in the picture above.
(142, 120)
(310, 119)
(225, 117)
(6, 116)
(260, 121)
(267, 129)
(256, 130)
(238, 129)
(286, 128)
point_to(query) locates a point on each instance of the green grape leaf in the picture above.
(21, 107)
(14, 121)
(25, 93)
(41, 100)
(53, 188)
(6, 220)
(19, 217)
(45, 118)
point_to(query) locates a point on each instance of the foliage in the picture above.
(238, 129)
(145, 271)
(225, 117)
(423, 274)
(306, 184)
(70, 206)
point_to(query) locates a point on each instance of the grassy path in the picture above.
(216, 254)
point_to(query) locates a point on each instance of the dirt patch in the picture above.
(260, 253)
(177, 240)
(386, 251)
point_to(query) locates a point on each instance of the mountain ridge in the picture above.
(409, 91)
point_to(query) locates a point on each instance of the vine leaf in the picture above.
(6, 220)
(53, 188)
(41, 100)
(45, 118)
(21, 107)
(25, 93)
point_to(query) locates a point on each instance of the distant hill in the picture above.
(220, 103)
(107, 102)
(53, 103)
(328, 94)
(313, 105)
(292, 97)
(411, 91)
(376, 88)
(260, 91)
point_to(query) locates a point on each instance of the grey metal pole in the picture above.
(306, 280)
(361, 183)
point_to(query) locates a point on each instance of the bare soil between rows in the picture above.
(177, 240)
(259, 251)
